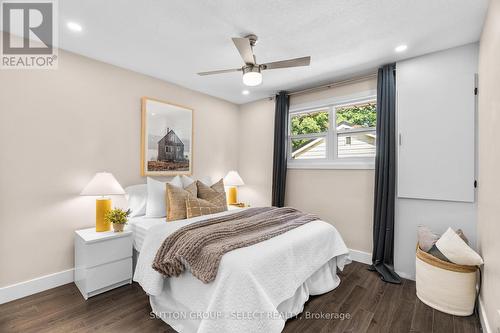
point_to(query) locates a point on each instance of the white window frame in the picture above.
(331, 161)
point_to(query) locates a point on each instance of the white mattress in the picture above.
(140, 226)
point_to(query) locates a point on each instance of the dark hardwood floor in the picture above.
(367, 304)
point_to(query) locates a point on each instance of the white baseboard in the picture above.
(405, 275)
(366, 258)
(30, 287)
(360, 256)
(483, 319)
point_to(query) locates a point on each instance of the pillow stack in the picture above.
(210, 200)
(179, 198)
(194, 198)
(451, 246)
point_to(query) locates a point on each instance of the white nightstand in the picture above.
(103, 260)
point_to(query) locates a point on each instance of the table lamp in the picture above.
(103, 184)
(232, 180)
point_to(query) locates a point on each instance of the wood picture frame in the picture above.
(166, 138)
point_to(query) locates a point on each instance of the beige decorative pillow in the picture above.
(198, 207)
(176, 200)
(213, 193)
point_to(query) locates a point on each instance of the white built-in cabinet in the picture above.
(436, 111)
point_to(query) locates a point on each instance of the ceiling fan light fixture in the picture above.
(251, 70)
(252, 76)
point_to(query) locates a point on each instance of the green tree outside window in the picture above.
(364, 115)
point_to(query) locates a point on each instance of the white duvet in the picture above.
(251, 282)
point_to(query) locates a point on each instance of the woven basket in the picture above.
(445, 286)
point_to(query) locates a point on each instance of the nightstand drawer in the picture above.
(108, 274)
(106, 251)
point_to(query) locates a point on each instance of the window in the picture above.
(314, 141)
(308, 134)
(356, 130)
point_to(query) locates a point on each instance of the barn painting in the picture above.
(170, 147)
(166, 138)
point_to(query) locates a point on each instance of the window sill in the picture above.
(332, 165)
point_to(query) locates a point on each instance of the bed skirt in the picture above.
(179, 317)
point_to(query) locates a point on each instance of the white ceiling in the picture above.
(174, 39)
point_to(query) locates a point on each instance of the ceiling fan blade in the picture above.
(222, 71)
(304, 61)
(245, 49)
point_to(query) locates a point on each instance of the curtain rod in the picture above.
(334, 84)
(331, 85)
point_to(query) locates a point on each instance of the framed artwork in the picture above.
(166, 138)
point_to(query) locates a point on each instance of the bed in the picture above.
(256, 288)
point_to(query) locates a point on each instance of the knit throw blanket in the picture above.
(200, 246)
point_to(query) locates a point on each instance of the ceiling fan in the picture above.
(252, 75)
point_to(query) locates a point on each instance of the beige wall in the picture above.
(341, 197)
(489, 163)
(339, 91)
(59, 127)
(255, 164)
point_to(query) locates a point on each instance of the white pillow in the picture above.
(137, 196)
(156, 203)
(207, 181)
(456, 250)
(186, 181)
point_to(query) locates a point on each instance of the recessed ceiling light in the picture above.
(74, 26)
(245, 92)
(401, 48)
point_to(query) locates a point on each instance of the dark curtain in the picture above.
(280, 148)
(385, 176)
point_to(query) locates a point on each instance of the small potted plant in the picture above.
(118, 217)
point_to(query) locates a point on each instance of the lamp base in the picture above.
(102, 206)
(232, 195)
